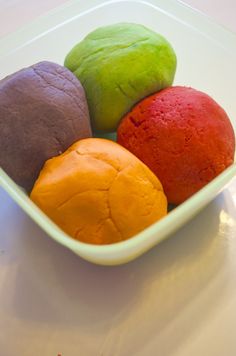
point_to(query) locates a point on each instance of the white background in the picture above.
(177, 300)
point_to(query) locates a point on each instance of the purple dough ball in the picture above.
(43, 110)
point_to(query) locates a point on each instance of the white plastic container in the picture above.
(206, 61)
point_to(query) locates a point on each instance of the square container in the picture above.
(206, 56)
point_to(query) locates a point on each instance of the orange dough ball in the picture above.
(99, 193)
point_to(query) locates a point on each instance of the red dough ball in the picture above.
(183, 136)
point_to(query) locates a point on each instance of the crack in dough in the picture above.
(110, 216)
(122, 91)
(61, 205)
(37, 72)
(98, 158)
(104, 49)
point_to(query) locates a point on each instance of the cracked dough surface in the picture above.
(99, 193)
(183, 136)
(119, 65)
(43, 110)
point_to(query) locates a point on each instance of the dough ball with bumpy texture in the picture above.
(99, 193)
(183, 136)
(43, 110)
(118, 65)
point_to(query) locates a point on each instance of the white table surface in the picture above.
(177, 300)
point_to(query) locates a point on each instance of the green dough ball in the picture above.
(118, 66)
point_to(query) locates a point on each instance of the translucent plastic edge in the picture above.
(138, 243)
(65, 13)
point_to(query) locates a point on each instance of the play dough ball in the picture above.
(99, 193)
(118, 65)
(183, 136)
(43, 110)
